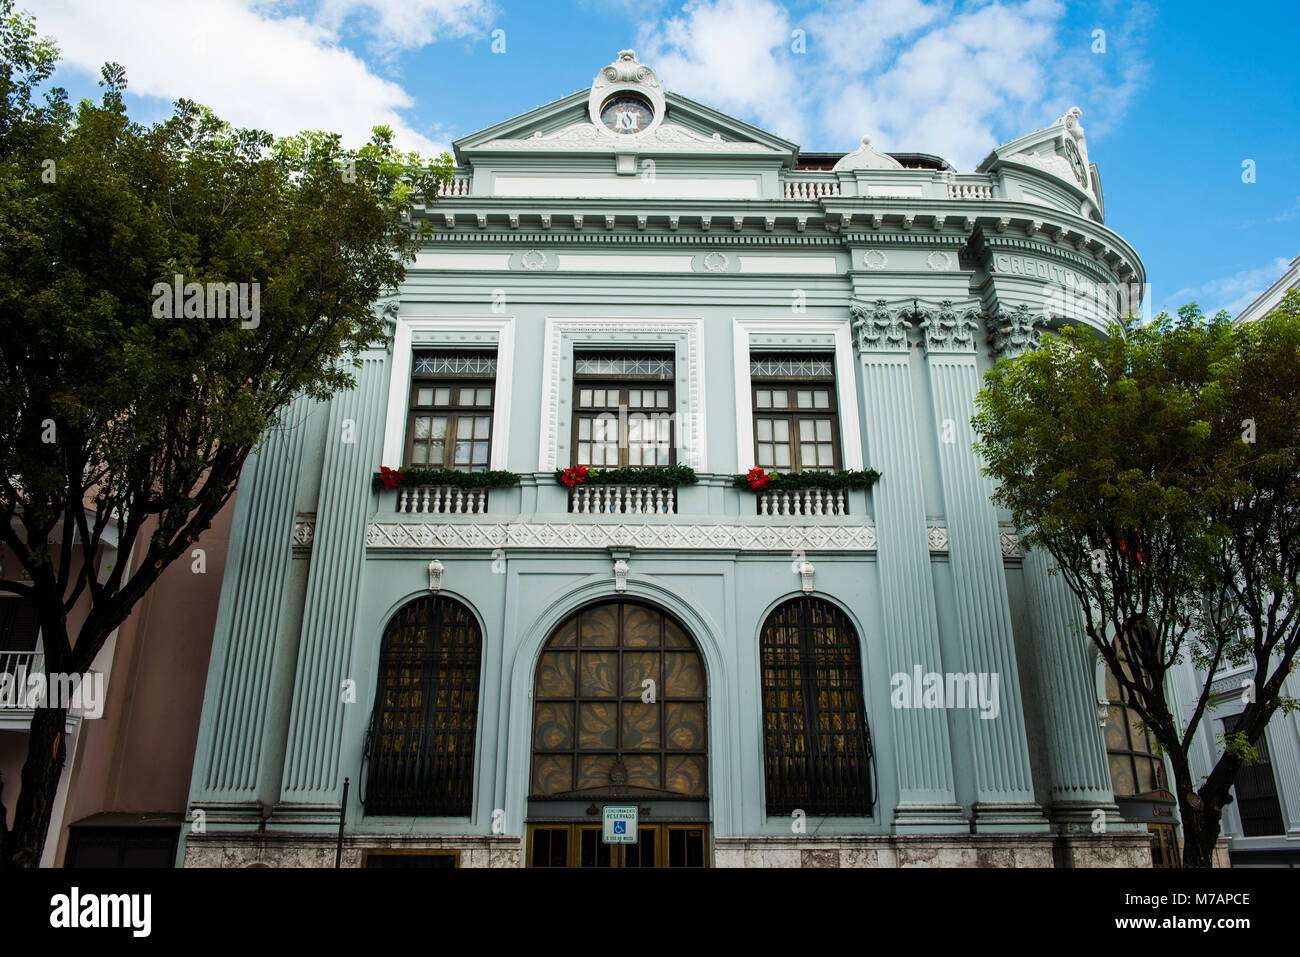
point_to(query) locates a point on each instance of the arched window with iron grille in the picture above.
(421, 743)
(817, 748)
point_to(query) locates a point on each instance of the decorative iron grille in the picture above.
(817, 754)
(656, 365)
(421, 746)
(474, 365)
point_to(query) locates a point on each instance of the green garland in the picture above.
(452, 477)
(667, 476)
(846, 478)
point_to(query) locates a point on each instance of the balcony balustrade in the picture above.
(803, 502)
(622, 500)
(442, 500)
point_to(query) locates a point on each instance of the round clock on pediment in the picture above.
(1076, 163)
(625, 114)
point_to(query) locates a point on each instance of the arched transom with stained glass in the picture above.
(817, 751)
(619, 708)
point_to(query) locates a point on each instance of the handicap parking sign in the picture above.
(619, 823)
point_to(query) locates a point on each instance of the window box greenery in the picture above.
(757, 480)
(666, 476)
(393, 478)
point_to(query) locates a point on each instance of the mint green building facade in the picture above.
(610, 225)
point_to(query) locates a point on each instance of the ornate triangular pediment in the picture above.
(626, 110)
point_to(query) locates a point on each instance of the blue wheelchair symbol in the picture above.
(620, 827)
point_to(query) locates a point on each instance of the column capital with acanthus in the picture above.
(1013, 331)
(879, 328)
(948, 328)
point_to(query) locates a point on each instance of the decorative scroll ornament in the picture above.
(620, 575)
(1103, 709)
(435, 576)
(1013, 332)
(937, 537)
(946, 330)
(878, 327)
(627, 69)
(806, 572)
(388, 309)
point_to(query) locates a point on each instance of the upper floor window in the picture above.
(1256, 789)
(796, 421)
(450, 421)
(623, 409)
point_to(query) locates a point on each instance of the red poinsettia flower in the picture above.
(758, 479)
(1132, 545)
(574, 476)
(390, 477)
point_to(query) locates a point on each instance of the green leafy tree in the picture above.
(1160, 467)
(127, 412)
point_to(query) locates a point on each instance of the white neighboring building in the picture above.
(1270, 297)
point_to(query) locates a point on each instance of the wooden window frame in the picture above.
(453, 411)
(793, 414)
(622, 410)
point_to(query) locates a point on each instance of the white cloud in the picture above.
(732, 55)
(408, 24)
(280, 72)
(1233, 293)
(934, 76)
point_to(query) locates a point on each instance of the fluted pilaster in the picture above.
(1004, 793)
(235, 736)
(355, 432)
(1065, 688)
(922, 753)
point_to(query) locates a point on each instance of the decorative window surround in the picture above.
(564, 334)
(476, 332)
(796, 335)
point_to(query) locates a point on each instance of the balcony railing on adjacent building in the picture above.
(442, 500)
(622, 500)
(804, 502)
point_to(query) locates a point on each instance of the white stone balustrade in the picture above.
(811, 189)
(970, 191)
(803, 501)
(622, 500)
(457, 187)
(442, 500)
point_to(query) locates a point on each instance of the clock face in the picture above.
(1076, 163)
(626, 115)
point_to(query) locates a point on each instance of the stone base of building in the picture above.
(308, 850)
(929, 850)
(922, 850)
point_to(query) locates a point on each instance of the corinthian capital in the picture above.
(948, 328)
(1012, 331)
(879, 328)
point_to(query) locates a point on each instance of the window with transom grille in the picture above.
(450, 420)
(421, 747)
(796, 421)
(817, 747)
(619, 708)
(623, 407)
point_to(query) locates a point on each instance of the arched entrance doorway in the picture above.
(620, 716)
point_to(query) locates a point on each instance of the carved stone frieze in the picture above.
(478, 535)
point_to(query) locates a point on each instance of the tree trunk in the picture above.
(1202, 821)
(46, 753)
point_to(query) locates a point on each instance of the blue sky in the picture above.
(1181, 95)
